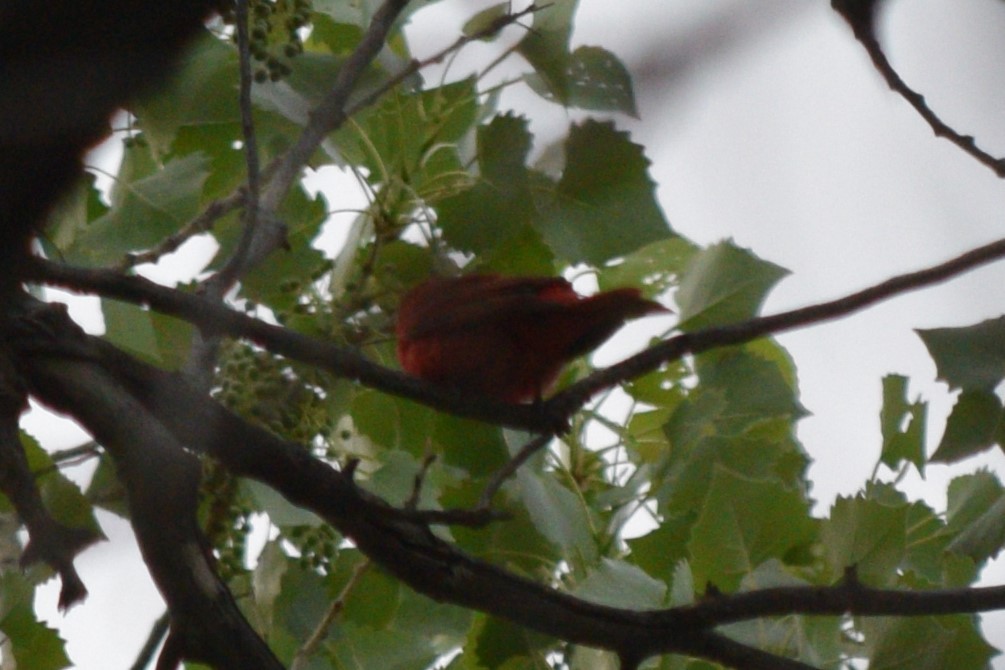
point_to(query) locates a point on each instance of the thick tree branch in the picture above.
(161, 480)
(50, 542)
(403, 545)
(215, 318)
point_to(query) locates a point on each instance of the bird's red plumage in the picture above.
(506, 337)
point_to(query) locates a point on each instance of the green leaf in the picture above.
(106, 490)
(62, 498)
(902, 425)
(754, 388)
(972, 426)
(926, 643)
(970, 358)
(661, 551)
(339, 38)
(373, 600)
(868, 535)
(497, 641)
(926, 547)
(279, 280)
(546, 48)
(742, 523)
(653, 268)
(361, 647)
(620, 584)
(412, 138)
(605, 205)
(267, 580)
(71, 216)
(391, 422)
(499, 205)
(33, 644)
(976, 514)
(201, 91)
(558, 514)
(598, 80)
(281, 511)
(485, 19)
(148, 205)
(724, 284)
(154, 337)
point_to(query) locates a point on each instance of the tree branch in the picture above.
(161, 480)
(860, 14)
(330, 114)
(406, 548)
(572, 398)
(49, 541)
(550, 416)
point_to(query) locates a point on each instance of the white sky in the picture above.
(790, 144)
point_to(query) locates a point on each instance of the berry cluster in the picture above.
(275, 31)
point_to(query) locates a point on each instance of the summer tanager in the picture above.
(506, 337)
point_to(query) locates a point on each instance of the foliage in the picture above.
(698, 484)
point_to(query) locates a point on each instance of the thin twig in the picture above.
(575, 396)
(153, 643)
(860, 16)
(502, 474)
(330, 114)
(234, 266)
(311, 644)
(200, 224)
(415, 65)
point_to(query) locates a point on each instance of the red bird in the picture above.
(506, 337)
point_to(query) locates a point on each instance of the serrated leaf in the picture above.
(970, 358)
(754, 388)
(724, 284)
(373, 600)
(742, 523)
(148, 206)
(499, 205)
(597, 80)
(152, 336)
(106, 490)
(926, 544)
(972, 426)
(620, 584)
(280, 279)
(661, 551)
(868, 535)
(605, 205)
(33, 644)
(902, 425)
